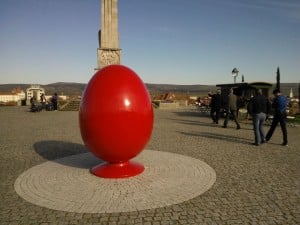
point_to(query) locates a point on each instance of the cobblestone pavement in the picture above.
(66, 184)
(254, 185)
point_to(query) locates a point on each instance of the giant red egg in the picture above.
(116, 120)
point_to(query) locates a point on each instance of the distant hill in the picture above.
(65, 88)
(61, 88)
(196, 89)
(72, 89)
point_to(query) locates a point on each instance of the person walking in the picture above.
(43, 101)
(231, 109)
(279, 105)
(54, 101)
(215, 106)
(259, 107)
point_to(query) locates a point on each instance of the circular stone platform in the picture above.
(66, 184)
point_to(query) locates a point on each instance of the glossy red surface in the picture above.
(116, 118)
(118, 170)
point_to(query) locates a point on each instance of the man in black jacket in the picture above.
(215, 106)
(258, 108)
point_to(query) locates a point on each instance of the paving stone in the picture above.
(260, 184)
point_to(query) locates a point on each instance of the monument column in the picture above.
(109, 51)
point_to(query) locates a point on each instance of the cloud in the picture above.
(289, 9)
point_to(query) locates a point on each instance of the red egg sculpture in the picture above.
(116, 120)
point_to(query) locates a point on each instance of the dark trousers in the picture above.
(278, 118)
(54, 105)
(215, 114)
(233, 114)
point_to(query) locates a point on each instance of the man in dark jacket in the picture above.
(259, 108)
(231, 109)
(279, 105)
(54, 101)
(215, 106)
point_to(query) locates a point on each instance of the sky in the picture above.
(164, 42)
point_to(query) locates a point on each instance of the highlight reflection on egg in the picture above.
(116, 120)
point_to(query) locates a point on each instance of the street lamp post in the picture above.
(234, 73)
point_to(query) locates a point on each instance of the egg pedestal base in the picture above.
(118, 170)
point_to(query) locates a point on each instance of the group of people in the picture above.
(43, 104)
(230, 109)
(259, 108)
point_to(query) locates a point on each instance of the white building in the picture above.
(19, 97)
(34, 91)
(15, 96)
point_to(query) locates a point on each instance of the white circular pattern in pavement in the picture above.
(66, 184)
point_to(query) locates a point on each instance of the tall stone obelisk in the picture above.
(109, 51)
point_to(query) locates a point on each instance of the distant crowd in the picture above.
(43, 103)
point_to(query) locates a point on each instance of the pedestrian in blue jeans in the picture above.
(279, 105)
(259, 108)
